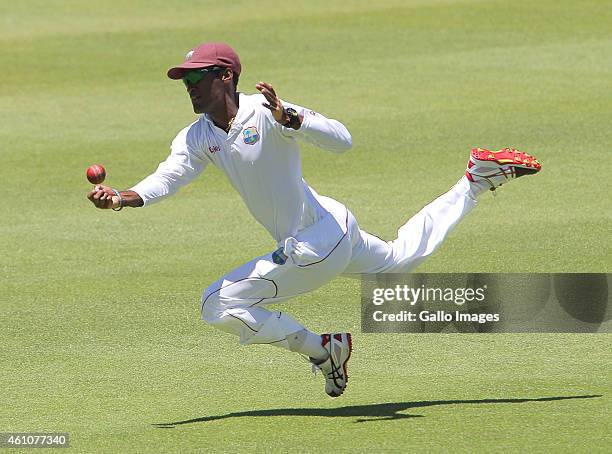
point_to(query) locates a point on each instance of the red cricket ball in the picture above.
(96, 174)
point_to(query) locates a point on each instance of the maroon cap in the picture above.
(207, 54)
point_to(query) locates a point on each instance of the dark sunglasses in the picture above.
(194, 76)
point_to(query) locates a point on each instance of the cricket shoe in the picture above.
(339, 347)
(498, 167)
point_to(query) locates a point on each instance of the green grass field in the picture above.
(100, 333)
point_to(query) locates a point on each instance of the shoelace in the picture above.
(508, 173)
(314, 367)
(335, 374)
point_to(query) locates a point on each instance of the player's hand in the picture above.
(274, 103)
(103, 197)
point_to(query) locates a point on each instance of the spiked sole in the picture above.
(344, 365)
(509, 157)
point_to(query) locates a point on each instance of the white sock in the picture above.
(307, 343)
(473, 188)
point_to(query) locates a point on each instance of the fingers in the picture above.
(273, 103)
(261, 86)
(90, 194)
(270, 95)
(101, 197)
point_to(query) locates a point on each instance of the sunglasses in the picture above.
(193, 77)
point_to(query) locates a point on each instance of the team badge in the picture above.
(250, 135)
(189, 55)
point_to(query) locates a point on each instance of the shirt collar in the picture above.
(245, 111)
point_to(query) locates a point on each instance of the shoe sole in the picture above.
(507, 156)
(344, 365)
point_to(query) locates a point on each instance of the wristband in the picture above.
(120, 207)
(293, 119)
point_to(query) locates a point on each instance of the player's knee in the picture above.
(210, 306)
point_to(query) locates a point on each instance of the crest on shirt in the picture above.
(250, 135)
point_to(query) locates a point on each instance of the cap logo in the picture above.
(250, 135)
(189, 55)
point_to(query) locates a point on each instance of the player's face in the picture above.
(205, 89)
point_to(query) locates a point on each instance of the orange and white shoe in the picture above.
(339, 346)
(498, 167)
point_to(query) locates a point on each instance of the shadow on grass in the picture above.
(374, 412)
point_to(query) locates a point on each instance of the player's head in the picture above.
(210, 72)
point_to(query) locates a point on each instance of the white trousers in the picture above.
(332, 246)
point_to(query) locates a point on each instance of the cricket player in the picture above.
(254, 141)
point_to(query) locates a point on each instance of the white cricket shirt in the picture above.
(260, 158)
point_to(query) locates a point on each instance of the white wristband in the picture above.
(119, 199)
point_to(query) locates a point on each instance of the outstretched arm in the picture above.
(323, 132)
(184, 163)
